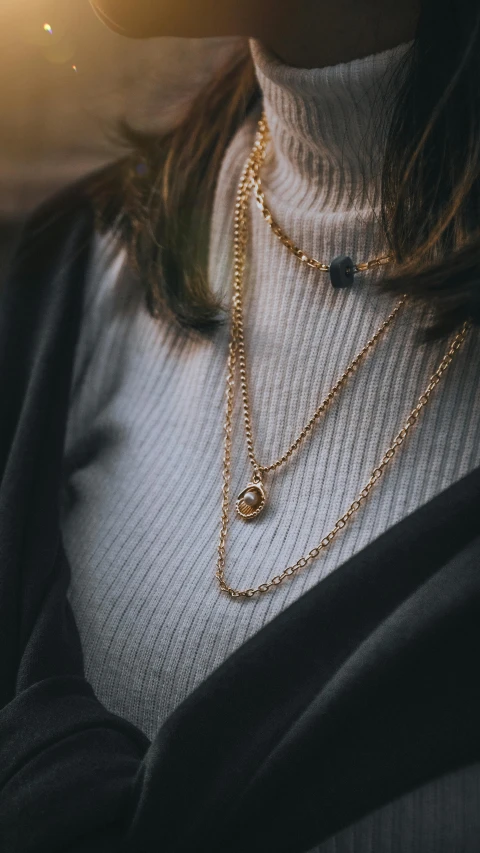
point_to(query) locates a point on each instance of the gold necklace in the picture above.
(342, 269)
(252, 500)
(256, 490)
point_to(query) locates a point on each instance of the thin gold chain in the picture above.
(258, 468)
(240, 251)
(259, 152)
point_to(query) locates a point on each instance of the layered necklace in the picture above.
(252, 500)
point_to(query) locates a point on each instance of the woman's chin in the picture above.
(179, 18)
(120, 17)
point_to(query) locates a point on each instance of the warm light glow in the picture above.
(48, 29)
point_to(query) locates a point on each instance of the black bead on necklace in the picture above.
(342, 271)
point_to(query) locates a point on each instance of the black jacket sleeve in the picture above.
(66, 764)
(364, 688)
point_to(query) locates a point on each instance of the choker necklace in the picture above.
(252, 500)
(342, 269)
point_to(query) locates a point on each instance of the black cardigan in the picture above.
(365, 688)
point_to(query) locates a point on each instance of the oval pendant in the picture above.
(251, 501)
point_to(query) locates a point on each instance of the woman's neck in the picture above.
(317, 34)
(324, 124)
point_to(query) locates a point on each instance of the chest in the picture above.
(143, 479)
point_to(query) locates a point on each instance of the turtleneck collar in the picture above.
(323, 123)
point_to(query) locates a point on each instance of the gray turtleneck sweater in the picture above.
(143, 457)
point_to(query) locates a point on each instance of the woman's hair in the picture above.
(159, 199)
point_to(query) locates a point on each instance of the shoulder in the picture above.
(41, 297)
(55, 243)
(63, 223)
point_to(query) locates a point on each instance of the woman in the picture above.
(277, 702)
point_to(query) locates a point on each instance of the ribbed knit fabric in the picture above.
(143, 458)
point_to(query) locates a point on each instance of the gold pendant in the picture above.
(251, 502)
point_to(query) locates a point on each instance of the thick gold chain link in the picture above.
(237, 349)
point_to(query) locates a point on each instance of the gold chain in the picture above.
(236, 347)
(251, 176)
(259, 152)
(264, 469)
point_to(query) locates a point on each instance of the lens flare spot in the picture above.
(47, 28)
(75, 69)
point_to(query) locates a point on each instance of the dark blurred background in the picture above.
(65, 81)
